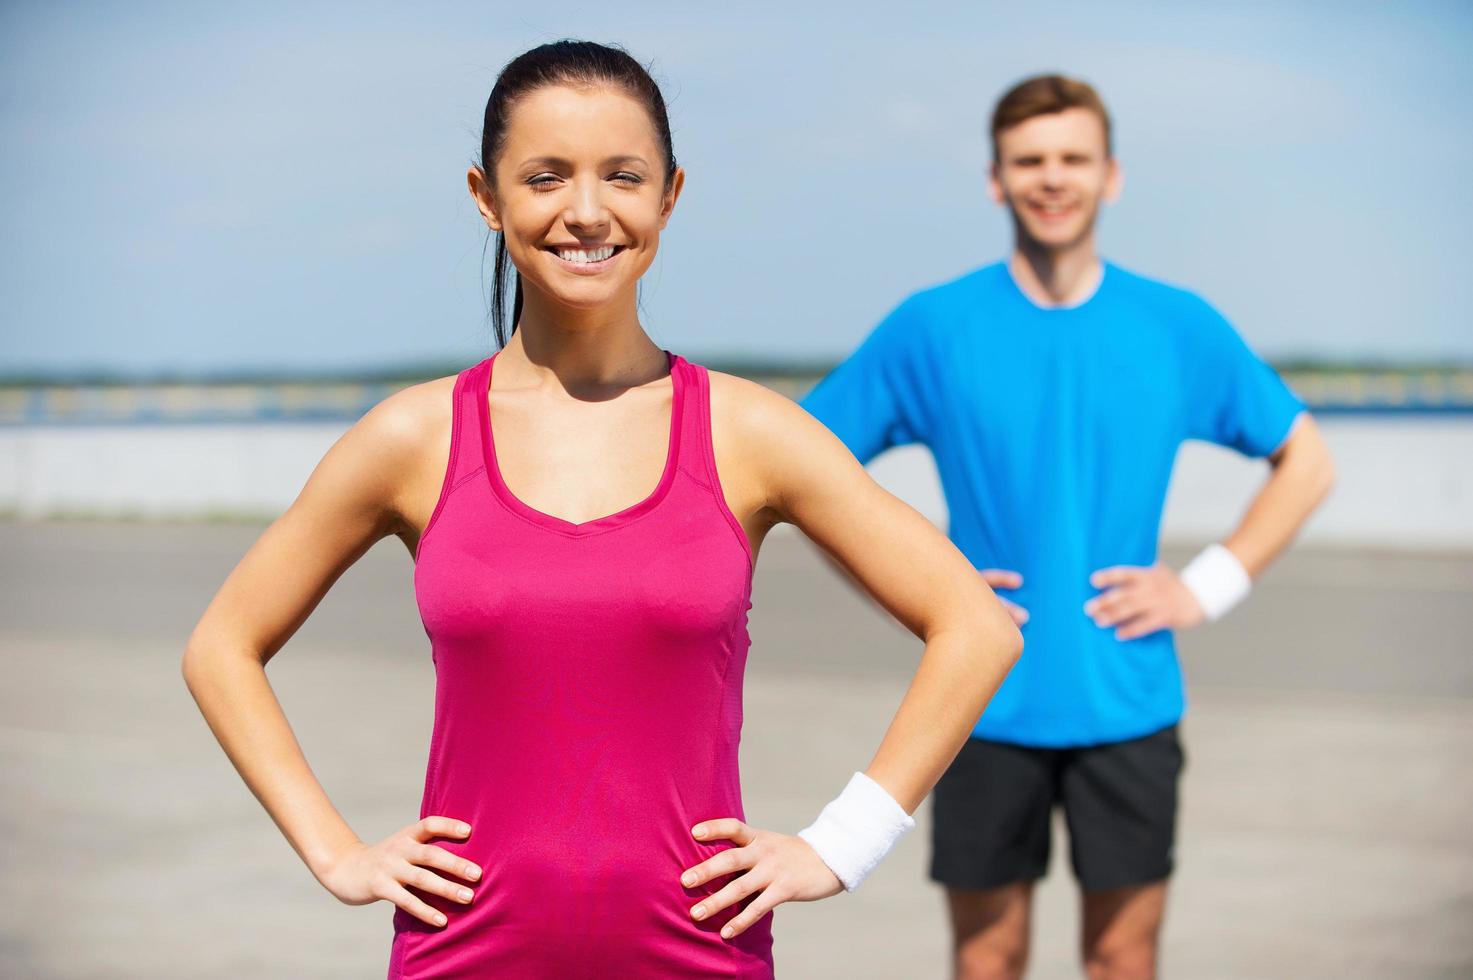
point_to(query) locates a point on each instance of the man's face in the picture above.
(1052, 172)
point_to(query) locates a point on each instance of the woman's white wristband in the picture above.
(857, 829)
(1217, 579)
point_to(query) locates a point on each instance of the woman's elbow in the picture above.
(194, 665)
(201, 661)
(1012, 645)
(999, 635)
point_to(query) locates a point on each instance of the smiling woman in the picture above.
(596, 85)
(585, 512)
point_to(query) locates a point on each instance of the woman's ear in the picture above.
(485, 199)
(677, 182)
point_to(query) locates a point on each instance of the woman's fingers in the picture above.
(779, 869)
(421, 910)
(430, 827)
(738, 889)
(731, 860)
(727, 828)
(427, 881)
(432, 856)
(760, 906)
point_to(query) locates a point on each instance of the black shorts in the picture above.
(991, 812)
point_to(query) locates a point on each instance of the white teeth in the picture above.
(585, 254)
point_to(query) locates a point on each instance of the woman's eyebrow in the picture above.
(558, 163)
(551, 163)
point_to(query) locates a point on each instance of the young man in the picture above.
(1054, 389)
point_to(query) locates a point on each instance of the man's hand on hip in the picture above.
(1139, 601)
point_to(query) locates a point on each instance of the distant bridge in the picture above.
(1359, 391)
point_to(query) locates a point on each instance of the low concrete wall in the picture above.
(1404, 481)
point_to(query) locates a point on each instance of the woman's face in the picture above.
(579, 193)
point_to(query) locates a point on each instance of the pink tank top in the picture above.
(588, 708)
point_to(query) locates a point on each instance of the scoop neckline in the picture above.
(552, 522)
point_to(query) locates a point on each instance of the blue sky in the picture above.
(195, 187)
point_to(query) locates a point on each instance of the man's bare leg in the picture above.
(990, 932)
(1122, 930)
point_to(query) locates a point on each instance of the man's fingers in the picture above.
(1001, 578)
(1140, 626)
(1111, 603)
(1120, 609)
(1019, 614)
(729, 861)
(1115, 575)
(726, 828)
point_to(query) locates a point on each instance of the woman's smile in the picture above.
(585, 260)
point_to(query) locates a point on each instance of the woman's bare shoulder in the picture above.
(760, 418)
(414, 413)
(750, 409)
(395, 455)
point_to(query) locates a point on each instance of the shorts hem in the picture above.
(984, 884)
(1113, 883)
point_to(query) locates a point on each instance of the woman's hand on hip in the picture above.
(365, 873)
(773, 867)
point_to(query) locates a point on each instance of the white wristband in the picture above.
(857, 829)
(1217, 579)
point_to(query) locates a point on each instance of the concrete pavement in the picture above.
(1326, 800)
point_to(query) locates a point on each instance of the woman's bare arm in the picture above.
(910, 568)
(778, 461)
(370, 484)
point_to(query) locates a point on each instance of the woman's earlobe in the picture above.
(677, 184)
(480, 190)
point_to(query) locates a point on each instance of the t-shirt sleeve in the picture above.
(870, 400)
(1236, 399)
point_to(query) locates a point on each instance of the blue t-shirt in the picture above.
(1054, 432)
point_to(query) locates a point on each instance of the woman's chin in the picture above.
(585, 293)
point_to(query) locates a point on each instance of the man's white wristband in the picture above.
(857, 829)
(1217, 579)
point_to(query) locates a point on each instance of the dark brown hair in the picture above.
(559, 63)
(1043, 95)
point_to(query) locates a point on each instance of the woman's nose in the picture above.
(586, 209)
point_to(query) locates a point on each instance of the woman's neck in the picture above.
(588, 351)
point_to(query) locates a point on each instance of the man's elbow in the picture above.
(1309, 457)
(1324, 477)
(1321, 469)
